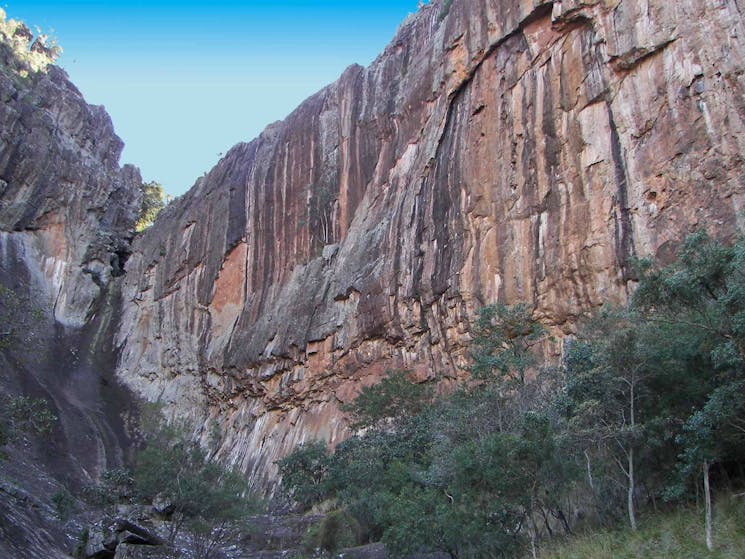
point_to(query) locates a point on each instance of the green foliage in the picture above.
(701, 299)
(194, 493)
(459, 474)
(605, 374)
(703, 289)
(394, 397)
(64, 504)
(81, 542)
(31, 415)
(203, 495)
(644, 397)
(504, 342)
(119, 480)
(30, 54)
(608, 394)
(153, 201)
(17, 317)
(658, 388)
(10, 307)
(23, 415)
(368, 471)
(337, 530)
(310, 540)
(305, 473)
(497, 475)
(116, 486)
(661, 536)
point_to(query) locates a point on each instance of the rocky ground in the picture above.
(35, 523)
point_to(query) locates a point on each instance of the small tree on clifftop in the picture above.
(153, 201)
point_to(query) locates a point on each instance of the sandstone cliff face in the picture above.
(67, 212)
(65, 205)
(498, 150)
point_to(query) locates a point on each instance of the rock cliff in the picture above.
(497, 150)
(67, 213)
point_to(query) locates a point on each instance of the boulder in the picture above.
(163, 506)
(128, 532)
(101, 542)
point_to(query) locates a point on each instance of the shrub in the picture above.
(64, 503)
(153, 201)
(304, 473)
(337, 530)
(116, 486)
(649, 402)
(24, 415)
(18, 316)
(395, 397)
(30, 54)
(204, 496)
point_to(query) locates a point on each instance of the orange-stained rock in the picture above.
(498, 150)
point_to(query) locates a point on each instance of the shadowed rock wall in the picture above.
(67, 212)
(497, 150)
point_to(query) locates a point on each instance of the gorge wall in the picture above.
(67, 213)
(496, 151)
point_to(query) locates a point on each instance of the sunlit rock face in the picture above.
(497, 150)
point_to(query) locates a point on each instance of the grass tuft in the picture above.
(663, 536)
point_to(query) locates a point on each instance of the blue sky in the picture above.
(184, 81)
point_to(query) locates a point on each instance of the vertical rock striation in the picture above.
(497, 150)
